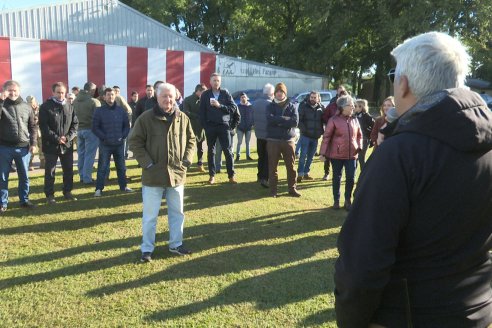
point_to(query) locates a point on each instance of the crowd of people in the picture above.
(418, 227)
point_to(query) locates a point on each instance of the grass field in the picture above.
(257, 261)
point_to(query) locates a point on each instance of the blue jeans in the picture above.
(350, 166)
(105, 153)
(218, 156)
(308, 149)
(152, 198)
(240, 135)
(87, 143)
(21, 156)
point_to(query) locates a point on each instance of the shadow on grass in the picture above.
(69, 225)
(268, 291)
(231, 261)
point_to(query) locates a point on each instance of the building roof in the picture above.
(94, 21)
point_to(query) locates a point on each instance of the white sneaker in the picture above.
(98, 193)
(128, 189)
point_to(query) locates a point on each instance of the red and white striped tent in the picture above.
(37, 64)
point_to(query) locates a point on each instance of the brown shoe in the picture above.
(308, 177)
(211, 180)
(201, 168)
(232, 180)
(294, 193)
(299, 179)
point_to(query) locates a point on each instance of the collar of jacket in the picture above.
(9, 102)
(158, 114)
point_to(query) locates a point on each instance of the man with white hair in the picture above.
(260, 119)
(414, 249)
(163, 143)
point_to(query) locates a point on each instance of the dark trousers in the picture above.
(199, 152)
(223, 133)
(326, 166)
(66, 161)
(261, 148)
(286, 149)
(350, 166)
(362, 153)
(105, 152)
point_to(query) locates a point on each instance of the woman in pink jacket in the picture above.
(342, 141)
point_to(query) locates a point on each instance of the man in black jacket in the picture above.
(216, 109)
(18, 137)
(58, 124)
(414, 249)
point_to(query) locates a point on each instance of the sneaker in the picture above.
(299, 179)
(127, 189)
(294, 193)
(146, 257)
(69, 196)
(50, 200)
(3, 209)
(211, 180)
(232, 180)
(28, 204)
(98, 193)
(308, 177)
(180, 250)
(325, 177)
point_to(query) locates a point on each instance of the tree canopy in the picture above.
(344, 40)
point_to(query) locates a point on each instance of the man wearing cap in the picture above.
(216, 110)
(282, 119)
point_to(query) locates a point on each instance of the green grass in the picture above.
(257, 261)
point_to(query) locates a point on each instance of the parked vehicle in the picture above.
(252, 94)
(488, 99)
(324, 94)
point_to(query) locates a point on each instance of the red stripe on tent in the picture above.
(5, 65)
(136, 70)
(95, 64)
(54, 66)
(175, 69)
(207, 67)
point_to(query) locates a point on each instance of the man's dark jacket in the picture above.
(281, 121)
(17, 124)
(310, 119)
(414, 249)
(191, 106)
(55, 121)
(213, 116)
(110, 124)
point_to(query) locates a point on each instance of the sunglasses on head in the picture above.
(391, 75)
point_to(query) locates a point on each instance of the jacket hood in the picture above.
(457, 117)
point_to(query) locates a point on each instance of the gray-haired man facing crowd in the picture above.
(414, 249)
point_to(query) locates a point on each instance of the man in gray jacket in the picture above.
(18, 135)
(87, 142)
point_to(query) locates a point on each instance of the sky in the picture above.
(19, 4)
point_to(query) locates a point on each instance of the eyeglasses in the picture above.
(391, 75)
